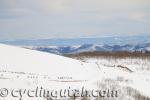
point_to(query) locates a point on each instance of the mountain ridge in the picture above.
(91, 48)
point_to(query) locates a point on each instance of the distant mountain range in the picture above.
(114, 40)
(90, 48)
(77, 45)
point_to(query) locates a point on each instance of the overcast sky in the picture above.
(34, 19)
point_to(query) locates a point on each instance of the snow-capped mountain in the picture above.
(90, 48)
(77, 45)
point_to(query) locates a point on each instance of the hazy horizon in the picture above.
(118, 40)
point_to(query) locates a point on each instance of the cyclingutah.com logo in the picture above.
(40, 92)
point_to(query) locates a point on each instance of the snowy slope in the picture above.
(25, 69)
(127, 72)
(30, 61)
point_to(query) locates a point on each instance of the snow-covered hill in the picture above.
(27, 69)
(31, 61)
(24, 68)
(130, 73)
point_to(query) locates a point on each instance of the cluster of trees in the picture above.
(112, 54)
